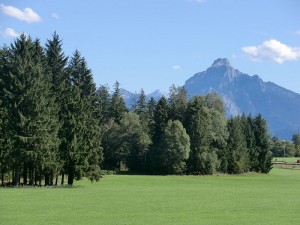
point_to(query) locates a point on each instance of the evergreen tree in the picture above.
(29, 102)
(141, 105)
(178, 103)
(56, 63)
(5, 139)
(237, 153)
(160, 119)
(85, 153)
(296, 141)
(262, 145)
(175, 148)
(103, 103)
(202, 159)
(117, 104)
(248, 128)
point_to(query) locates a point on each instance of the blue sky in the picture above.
(152, 44)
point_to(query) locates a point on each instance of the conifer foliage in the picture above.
(55, 126)
(49, 115)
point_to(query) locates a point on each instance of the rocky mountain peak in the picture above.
(221, 62)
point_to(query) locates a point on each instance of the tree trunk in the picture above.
(16, 177)
(2, 177)
(47, 179)
(56, 180)
(51, 178)
(32, 179)
(62, 178)
(71, 177)
(25, 174)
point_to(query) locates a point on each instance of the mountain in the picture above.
(249, 94)
(130, 97)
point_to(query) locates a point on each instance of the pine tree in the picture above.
(178, 103)
(84, 153)
(29, 103)
(103, 98)
(203, 159)
(141, 105)
(237, 152)
(262, 140)
(5, 139)
(160, 119)
(117, 104)
(56, 63)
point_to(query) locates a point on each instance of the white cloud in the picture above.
(9, 32)
(176, 67)
(273, 50)
(27, 15)
(55, 16)
(297, 32)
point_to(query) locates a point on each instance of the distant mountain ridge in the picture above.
(249, 94)
(130, 97)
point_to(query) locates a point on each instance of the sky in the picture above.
(152, 44)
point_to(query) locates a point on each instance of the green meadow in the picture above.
(122, 199)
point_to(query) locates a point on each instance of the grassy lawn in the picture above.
(161, 200)
(286, 159)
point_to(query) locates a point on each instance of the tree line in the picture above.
(55, 123)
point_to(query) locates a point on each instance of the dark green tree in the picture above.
(56, 63)
(160, 119)
(178, 103)
(85, 154)
(296, 141)
(103, 103)
(117, 104)
(237, 152)
(202, 159)
(262, 141)
(29, 102)
(175, 148)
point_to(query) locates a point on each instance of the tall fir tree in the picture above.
(203, 159)
(178, 103)
(237, 152)
(84, 153)
(29, 101)
(56, 63)
(160, 118)
(117, 104)
(262, 140)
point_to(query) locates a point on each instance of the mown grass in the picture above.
(286, 159)
(161, 200)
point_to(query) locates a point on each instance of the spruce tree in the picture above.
(237, 153)
(29, 102)
(178, 103)
(202, 159)
(262, 140)
(84, 153)
(117, 104)
(56, 63)
(103, 98)
(160, 118)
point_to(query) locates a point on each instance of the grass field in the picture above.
(161, 200)
(286, 159)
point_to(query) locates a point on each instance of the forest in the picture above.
(57, 126)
